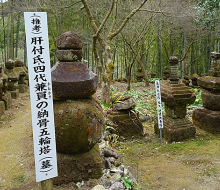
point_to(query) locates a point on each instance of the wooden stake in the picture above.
(46, 184)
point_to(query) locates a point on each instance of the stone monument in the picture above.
(166, 73)
(186, 80)
(6, 98)
(208, 117)
(126, 122)
(21, 72)
(194, 78)
(79, 120)
(12, 78)
(139, 75)
(175, 95)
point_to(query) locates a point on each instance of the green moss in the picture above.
(111, 65)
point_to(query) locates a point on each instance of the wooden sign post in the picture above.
(159, 108)
(41, 98)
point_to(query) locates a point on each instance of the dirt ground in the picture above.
(191, 165)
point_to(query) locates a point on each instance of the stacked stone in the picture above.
(12, 78)
(153, 75)
(186, 80)
(166, 73)
(21, 72)
(194, 78)
(6, 98)
(79, 120)
(208, 117)
(176, 96)
(126, 123)
(139, 75)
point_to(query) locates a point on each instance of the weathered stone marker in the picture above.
(126, 122)
(12, 78)
(21, 72)
(79, 120)
(175, 96)
(208, 117)
(6, 98)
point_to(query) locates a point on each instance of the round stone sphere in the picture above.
(79, 125)
(69, 41)
(10, 64)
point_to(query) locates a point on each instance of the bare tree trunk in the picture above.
(140, 61)
(108, 75)
(12, 31)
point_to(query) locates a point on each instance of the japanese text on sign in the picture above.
(159, 105)
(41, 95)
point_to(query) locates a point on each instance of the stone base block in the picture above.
(211, 100)
(7, 100)
(175, 130)
(207, 120)
(127, 124)
(2, 108)
(14, 94)
(22, 88)
(78, 167)
(175, 112)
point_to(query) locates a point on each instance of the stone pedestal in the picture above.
(176, 130)
(127, 124)
(207, 120)
(79, 167)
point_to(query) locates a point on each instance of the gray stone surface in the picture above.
(98, 187)
(117, 186)
(125, 104)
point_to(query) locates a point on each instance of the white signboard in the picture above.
(159, 105)
(41, 95)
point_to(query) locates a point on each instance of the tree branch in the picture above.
(110, 36)
(114, 16)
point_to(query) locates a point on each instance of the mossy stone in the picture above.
(78, 124)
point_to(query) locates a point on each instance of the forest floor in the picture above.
(193, 164)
